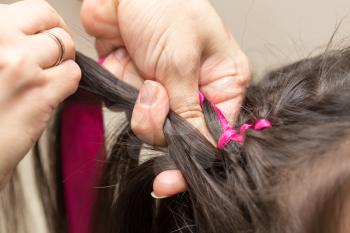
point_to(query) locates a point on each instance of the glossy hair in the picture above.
(292, 178)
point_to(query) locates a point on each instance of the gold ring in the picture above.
(60, 44)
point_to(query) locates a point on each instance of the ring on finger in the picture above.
(60, 44)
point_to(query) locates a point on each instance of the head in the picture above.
(292, 177)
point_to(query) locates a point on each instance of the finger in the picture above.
(36, 16)
(62, 81)
(148, 117)
(224, 81)
(225, 74)
(178, 70)
(152, 106)
(46, 50)
(150, 112)
(107, 46)
(100, 18)
(168, 183)
(120, 64)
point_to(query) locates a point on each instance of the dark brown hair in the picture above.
(291, 178)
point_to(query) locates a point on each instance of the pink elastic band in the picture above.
(223, 121)
(239, 137)
(231, 134)
(101, 60)
(201, 98)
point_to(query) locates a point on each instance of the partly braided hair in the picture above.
(268, 184)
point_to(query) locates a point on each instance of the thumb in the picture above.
(147, 122)
(152, 105)
(150, 112)
(148, 117)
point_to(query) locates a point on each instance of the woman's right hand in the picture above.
(180, 47)
(31, 85)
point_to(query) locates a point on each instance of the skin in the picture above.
(170, 50)
(30, 86)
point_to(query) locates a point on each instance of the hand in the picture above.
(30, 85)
(184, 47)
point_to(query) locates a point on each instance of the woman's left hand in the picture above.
(35, 76)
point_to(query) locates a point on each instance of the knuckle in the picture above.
(70, 91)
(74, 69)
(243, 68)
(74, 76)
(14, 62)
(181, 62)
(186, 105)
(143, 129)
(47, 8)
(91, 16)
(147, 127)
(188, 113)
(147, 132)
(138, 127)
(52, 99)
(70, 43)
(67, 40)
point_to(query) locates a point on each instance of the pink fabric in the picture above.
(83, 153)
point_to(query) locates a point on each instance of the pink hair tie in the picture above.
(201, 98)
(227, 136)
(262, 124)
(231, 134)
(101, 60)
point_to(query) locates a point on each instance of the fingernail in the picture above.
(149, 93)
(156, 197)
(101, 60)
(122, 55)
